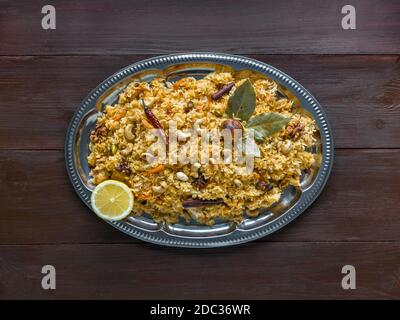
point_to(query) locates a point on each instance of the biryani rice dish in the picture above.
(120, 141)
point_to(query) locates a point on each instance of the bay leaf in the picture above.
(266, 124)
(242, 102)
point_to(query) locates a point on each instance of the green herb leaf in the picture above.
(243, 102)
(266, 124)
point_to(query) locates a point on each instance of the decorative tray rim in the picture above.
(237, 236)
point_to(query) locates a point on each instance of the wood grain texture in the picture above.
(355, 74)
(359, 203)
(361, 95)
(255, 26)
(252, 271)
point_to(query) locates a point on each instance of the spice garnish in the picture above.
(242, 103)
(266, 124)
(146, 124)
(293, 130)
(154, 121)
(200, 182)
(123, 167)
(189, 106)
(225, 89)
(279, 95)
(99, 133)
(264, 186)
(191, 203)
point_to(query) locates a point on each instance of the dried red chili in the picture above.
(154, 121)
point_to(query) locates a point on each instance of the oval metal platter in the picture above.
(293, 200)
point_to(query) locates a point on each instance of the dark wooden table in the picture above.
(355, 74)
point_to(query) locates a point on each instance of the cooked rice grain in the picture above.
(283, 155)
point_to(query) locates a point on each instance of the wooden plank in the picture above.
(252, 271)
(257, 26)
(361, 95)
(359, 203)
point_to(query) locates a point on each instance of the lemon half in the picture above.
(112, 200)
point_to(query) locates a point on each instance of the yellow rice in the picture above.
(283, 155)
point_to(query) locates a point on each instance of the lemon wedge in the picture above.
(112, 200)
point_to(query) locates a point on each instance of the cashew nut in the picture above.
(181, 176)
(285, 148)
(238, 183)
(128, 132)
(164, 184)
(196, 166)
(158, 189)
(127, 150)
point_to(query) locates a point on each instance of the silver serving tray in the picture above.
(292, 202)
